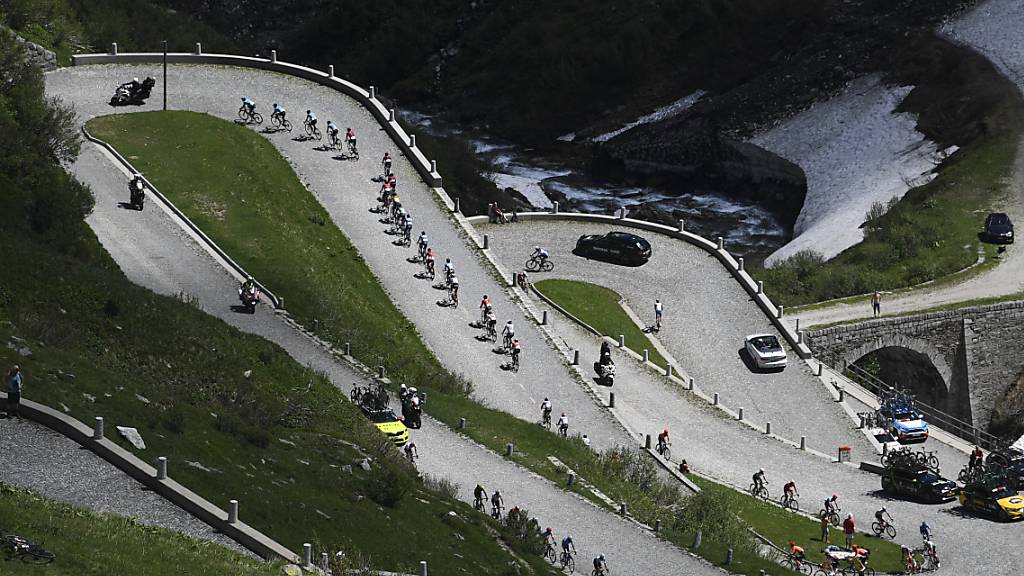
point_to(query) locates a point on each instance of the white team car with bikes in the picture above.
(766, 351)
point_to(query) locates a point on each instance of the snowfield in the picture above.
(855, 151)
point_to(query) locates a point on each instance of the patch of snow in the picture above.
(571, 136)
(855, 151)
(1019, 444)
(526, 181)
(132, 435)
(667, 111)
(994, 29)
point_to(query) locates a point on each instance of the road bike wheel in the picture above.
(308, 128)
(571, 565)
(877, 528)
(547, 266)
(666, 453)
(833, 518)
(933, 462)
(890, 530)
(550, 555)
(532, 265)
(257, 118)
(318, 134)
(243, 114)
(287, 125)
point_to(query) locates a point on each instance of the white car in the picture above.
(766, 351)
(885, 439)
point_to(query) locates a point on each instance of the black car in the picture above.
(998, 229)
(921, 484)
(1013, 462)
(615, 247)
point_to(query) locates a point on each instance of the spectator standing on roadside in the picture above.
(824, 529)
(659, 309)
(849, 528)
(876, 303)
(14, 384)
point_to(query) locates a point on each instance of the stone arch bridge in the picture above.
(960, 361)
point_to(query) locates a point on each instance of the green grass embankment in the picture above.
(599, 308)
(89, 544)
(225, 159)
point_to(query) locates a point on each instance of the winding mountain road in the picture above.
(154, 252)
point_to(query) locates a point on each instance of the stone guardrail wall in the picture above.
(958, 314)
(278, 302)
(368, 98)
(147, 475)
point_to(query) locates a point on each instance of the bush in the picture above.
(710, 513)
(386, 487)
(522, 533)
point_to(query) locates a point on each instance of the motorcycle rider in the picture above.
(136, 190)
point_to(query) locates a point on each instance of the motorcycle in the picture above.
(249, 299)
(137, 194)
(413, 411)
(605, 373)
(133, 93)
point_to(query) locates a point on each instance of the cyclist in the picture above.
(789, 491)
(545, 410)
(491, 321)
(860, 558)
(410, 451)
(659, 309)
(908, 560)
(449, 268)
(350, 139)
(249, 285)
(567, 545)
(507, 333)
(408, 229)
(880, 516)
(549, 540)
(249, 104)
(662, 440)
(311, 120)
(516, 349)
(393, 180)
(926, 531)
(422, 242)
(479, 495)
(429, 263)
(563, 424)
(540, 254)
(453, 290)
(332, 133)
(832, 504)
(485, 305)
(496, 504)
(929, 550)
(386, 163)
(279, 112)
(796, 553)
(600, 566)
(759, 480)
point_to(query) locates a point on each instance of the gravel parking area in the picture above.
(53, 466)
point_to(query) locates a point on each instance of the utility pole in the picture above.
(165, 75)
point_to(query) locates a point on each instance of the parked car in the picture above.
(999, 501)
(922, 484)
(391, 425)
(615, 247)
(1013, 462)
(998, 229)
(905, 423)
(766, 351)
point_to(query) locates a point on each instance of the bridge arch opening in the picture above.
(908, 370)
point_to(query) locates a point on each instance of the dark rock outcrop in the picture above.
(689, 154)
(37, 55)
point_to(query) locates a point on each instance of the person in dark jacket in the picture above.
(15, 380)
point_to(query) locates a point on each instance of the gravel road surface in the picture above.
(56, 467)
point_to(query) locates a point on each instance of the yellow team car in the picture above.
(391, 425)
(1001, 502)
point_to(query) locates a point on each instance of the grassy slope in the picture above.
(162, 149)
(89, 544)
(599, 307)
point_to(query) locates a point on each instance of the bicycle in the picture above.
(353, 152)
(279, 122)
(492, 335)
(549, 552)
(535, 264)
(312, 130)
(506, 342)
(496, 511)
(564, 431)
(832, 515)
(567, 561)
(665, 450)
(926, 559)
(478, 504)
(759, 490)
(791, 562)
(515, 361)
(790, 502)
(332, 141)
(599, 572)
(545, 420)
(249, 117)
(886, 528)
(29, 552)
